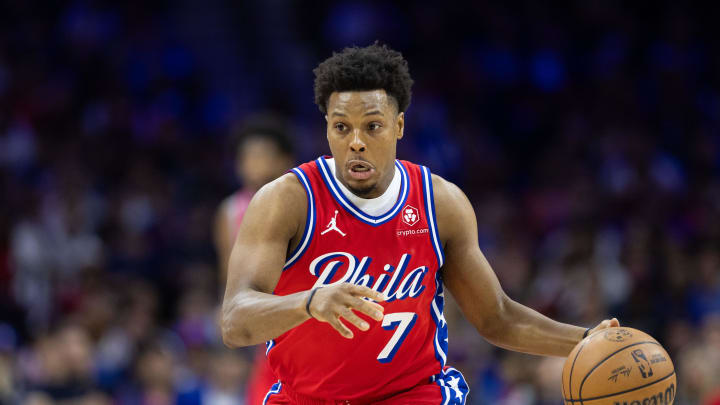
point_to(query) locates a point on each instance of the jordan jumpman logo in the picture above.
(332, 226)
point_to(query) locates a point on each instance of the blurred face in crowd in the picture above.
(259, 161)
(76, 347)
(155, 368)
(226, 369)
(67, 354)
(363, 128)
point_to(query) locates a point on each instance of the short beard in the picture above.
(362, 192)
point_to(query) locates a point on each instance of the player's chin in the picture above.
(361, 187)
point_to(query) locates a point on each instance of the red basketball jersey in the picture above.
(399, 254)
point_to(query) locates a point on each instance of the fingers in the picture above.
(340, 327)
(607, 323)
(371, 309)
(337, 303)
(350, 316)
(362, 291)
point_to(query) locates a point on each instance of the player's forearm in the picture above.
(252, 317)
(525, 330)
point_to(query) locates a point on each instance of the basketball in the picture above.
(619, 366)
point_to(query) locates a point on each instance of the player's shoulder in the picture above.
(286, 189)
(446, 193)
(279, 208)
(452, 208)
(282, 199)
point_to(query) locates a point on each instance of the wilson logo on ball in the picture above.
(410, 215)
(661, 397)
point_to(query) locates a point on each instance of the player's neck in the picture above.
(372, 206)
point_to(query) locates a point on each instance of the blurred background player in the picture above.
(263, 152)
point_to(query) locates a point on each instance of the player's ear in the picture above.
(400, 125)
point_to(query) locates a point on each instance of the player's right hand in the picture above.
(337, 301)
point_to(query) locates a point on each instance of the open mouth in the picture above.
(359, 169)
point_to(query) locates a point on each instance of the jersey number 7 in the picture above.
(402, 322)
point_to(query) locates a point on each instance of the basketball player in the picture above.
(340, 265)
(263, 152)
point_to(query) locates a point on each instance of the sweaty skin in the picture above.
(363, 129)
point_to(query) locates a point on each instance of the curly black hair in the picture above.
(369, 68)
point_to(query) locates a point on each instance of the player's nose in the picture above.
(356, 143)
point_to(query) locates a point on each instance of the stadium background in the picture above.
(586, 136)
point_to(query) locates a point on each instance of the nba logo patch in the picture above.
(410, 215)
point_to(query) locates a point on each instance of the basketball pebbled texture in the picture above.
(619, 366)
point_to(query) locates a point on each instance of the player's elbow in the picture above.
(234, 337)
(234, 334)
(497, 323)
(228, 342)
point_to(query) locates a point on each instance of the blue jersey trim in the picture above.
(437, 305)
(430, 211)
(334, 189)
(453, 386)
(440, 339)
(309, 220)
(275, 389)
(269, 345)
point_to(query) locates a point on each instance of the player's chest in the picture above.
(406, 229)
(395, 258)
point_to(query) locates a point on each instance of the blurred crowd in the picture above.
(587, 138)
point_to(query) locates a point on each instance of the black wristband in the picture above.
(307, 305)
(586, 332)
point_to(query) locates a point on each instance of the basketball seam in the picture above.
(572, 368)
(621, 392)
(603, 361)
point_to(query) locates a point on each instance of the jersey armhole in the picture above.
(309, 220)
(430, 212)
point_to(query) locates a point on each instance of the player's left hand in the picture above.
(608, 323)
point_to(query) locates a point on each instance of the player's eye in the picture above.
(340, 127)
(374, 126)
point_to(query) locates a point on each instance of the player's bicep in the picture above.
(269, 223)
(466, 271)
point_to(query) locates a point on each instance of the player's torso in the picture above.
(397, 253)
